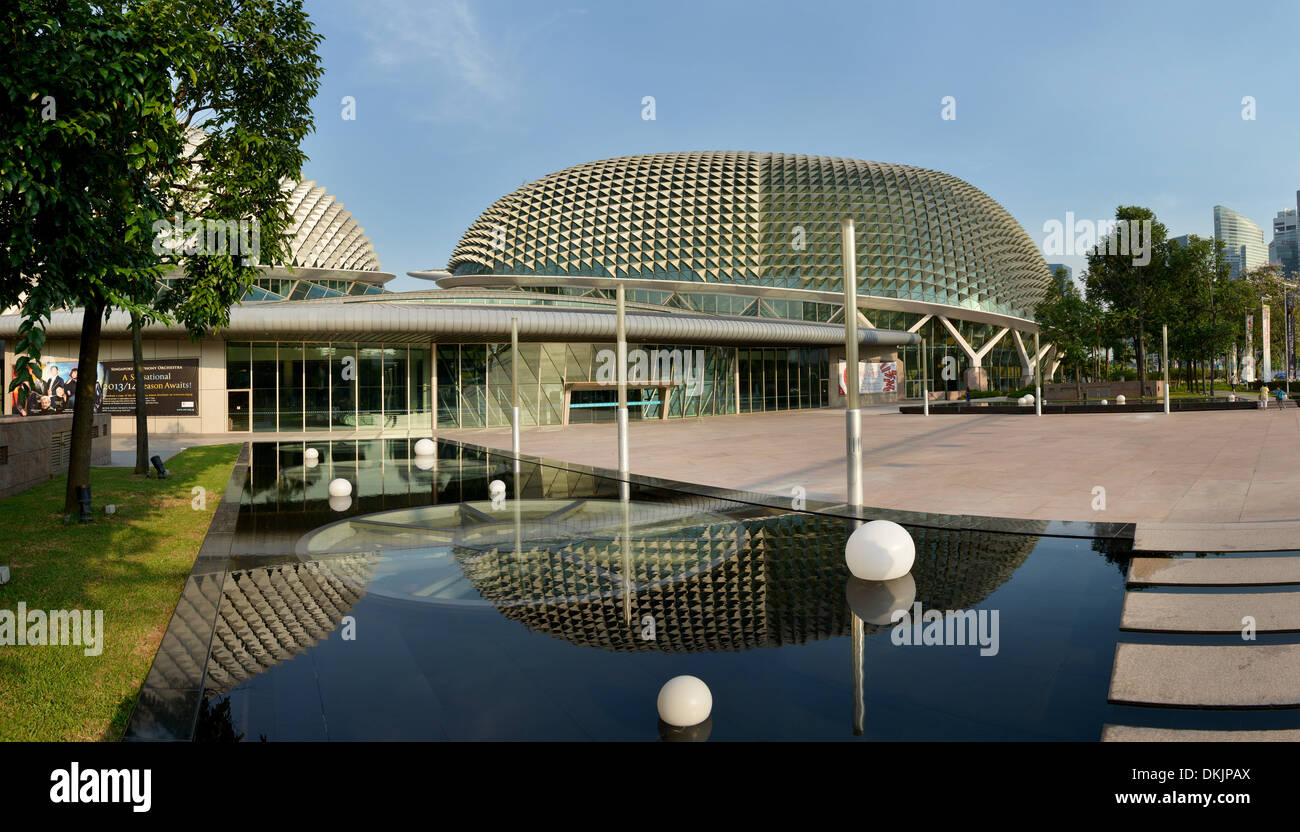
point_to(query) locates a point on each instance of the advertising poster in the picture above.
(55, 392)
(171, 387)
(873, 377)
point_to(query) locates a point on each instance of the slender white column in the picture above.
(514, 390)
(623, 461)
(1038, 378)
(852, 412)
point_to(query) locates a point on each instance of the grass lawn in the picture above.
(132, 565)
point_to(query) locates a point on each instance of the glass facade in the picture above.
(1001, 364)
(782, 379)
(291, 386)
(474, 382)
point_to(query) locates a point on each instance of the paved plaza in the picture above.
(1203, 467)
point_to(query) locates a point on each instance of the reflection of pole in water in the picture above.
(519, 498)
(625, 510)
(859, 649)
(859, 689)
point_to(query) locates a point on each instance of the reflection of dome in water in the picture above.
(787, 587)
(711, 582)
(270, 614)
(569, 550)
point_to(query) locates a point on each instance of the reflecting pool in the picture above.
(451, 596)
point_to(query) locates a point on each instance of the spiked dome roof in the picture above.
(763, 219)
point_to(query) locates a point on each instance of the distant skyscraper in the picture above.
(1069, 272)
(1243, 239)
(1283, 249)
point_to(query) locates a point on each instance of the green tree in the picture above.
(88, 133)
(1067, 320)
(244, 98)
(1125, 287)
(83, 194)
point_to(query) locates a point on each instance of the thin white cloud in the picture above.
(440, 44)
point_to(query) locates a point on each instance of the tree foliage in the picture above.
(116, 117)
(1186, 286)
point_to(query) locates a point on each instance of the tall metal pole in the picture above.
(623, 463)
(852, 412)
(1038, 378)
(514, 390)
(1164, 360)
(925, 380)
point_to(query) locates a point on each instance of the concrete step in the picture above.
(1274, 612)
(1245, 676)
(1133, 733)
(1214, 571)
(1251, 536)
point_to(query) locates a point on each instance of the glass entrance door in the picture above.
(237, 411)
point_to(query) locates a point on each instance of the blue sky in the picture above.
(1060, 107)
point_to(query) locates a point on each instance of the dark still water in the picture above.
(427, 605)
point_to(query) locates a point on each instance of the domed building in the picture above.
(758, 234)
(731, 266)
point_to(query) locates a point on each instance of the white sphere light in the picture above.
(1022, 401)
(311, 462)
(880, 551)
(1103, 401)
(425, 447)
(311, 454)
(1119, 399)
(424, 463)
(340, 488)
(684, 701)
(496, 487)
(1029, 398)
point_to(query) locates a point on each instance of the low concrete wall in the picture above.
(1101, 390)
(35, 448)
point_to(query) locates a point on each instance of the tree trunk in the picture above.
(141, 414)
(1141, 360)
(83, 412)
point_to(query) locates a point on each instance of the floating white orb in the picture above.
(424, 463)
(1103, 401)
(875, 602)
(1120, 399)
(340, 488)
(684, 701)
(311, 462)
(880, 551)
(425, 447)
(496, 487)
(340, 502)
(311, 455)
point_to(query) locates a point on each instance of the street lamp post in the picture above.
(623, 462)
(852, 412)
(514, 390)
